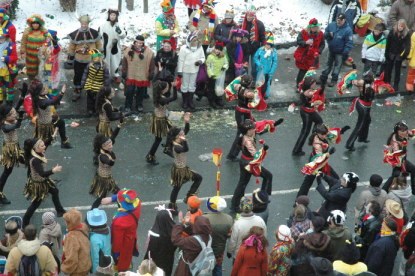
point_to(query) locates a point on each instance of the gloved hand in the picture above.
(345, 57)
(332, 150)
(118, 30)
(198, 63)
(229, 255)
(344, 129)
(363, 60)
(266, 147)
(223, 68)
(278, 122)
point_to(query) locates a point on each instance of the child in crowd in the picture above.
(51, 232)
(193, 208)
(216, 64)
(373, 50)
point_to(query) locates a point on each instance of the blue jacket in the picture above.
(267, 64)
(99, 241)
(341, 42)
(353, 11)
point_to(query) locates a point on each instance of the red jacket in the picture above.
(250, 262)
(124, 238)
(305, 55)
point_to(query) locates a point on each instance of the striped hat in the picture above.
(35, 18)
(269, 38)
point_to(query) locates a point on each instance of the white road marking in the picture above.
(150, 203)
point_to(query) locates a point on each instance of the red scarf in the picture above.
(253, 32)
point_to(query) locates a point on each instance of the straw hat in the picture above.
(394, 208)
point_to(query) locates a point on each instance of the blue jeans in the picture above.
(217, 270)
(337, 61)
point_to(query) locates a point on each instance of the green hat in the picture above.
(313, 23)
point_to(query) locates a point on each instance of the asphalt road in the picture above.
(209, 129)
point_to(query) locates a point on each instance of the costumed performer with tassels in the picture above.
(312, 103)
(320, 140)
(395, 154)
(106, 111)
(251, 158)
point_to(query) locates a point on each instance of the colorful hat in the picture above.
(3, 13)
(239, 32)
(351, 177)
(84, 19)
(95, 53)
(127, 199)
(216, 204)
(96, 217)
(394, 208)
(269, 37)
(229, 14)
(35, 18)
(337, 217)
(219, 45)
(167, 41)
(284, 233)
(246, 205)
(193, 202)
(313, 23)
(209, 3)
(167, 7)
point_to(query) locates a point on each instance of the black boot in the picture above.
(3, 199)
(219, 101)
(151, 159)
(185, 96)
(76, 95)
(190, 102)
(66, 145)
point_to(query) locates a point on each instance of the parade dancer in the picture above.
(238, 88)
(39, 183)
(103, 183)
(12, 155)
(320, 140)
(395, 154)
(251, 158)
(46, 121)
(106, 111)
(180, 172)
(312, 102)
(363, 103)
(160, 124)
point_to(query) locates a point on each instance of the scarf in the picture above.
(239, 55)
(250, 242)
(253, 32)
(50, 226)
(212, 18)
(267, 52)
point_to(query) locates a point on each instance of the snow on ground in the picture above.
(283, 17)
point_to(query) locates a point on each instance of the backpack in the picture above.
(205, 261)
(29, 266)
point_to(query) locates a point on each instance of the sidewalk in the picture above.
(282, 89)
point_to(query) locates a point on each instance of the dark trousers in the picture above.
(388, 72)
(134, 92)
(79, 69)
(235, 148)
(308, 120)
(361, 130)
(35, 204)
(4, 176)
(197, 179)
(210, 93)
(333, 65)
(244, 177)
(374, 66)
(300, 76)
(396, 171)
(60, 124)
(308, 182)
(154, 147)
(91, 98)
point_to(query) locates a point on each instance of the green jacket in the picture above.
(214, 65)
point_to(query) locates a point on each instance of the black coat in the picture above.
(222, 31)
(397, 47)
(167, 60)
(336, 197)
(381, 255)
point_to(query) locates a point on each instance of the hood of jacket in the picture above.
(202, 226)
(376, 191)
(336, 232)
(55, 231)
(316, 241)
(72, 218)
(29, 248)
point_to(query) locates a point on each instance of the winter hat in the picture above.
(303, 200)
(96, 217)
(127, 199)
(229, 14)
(191, 37)
(337, 217)
(246, 204)
(239, 33)
(394, 208)
(284, 233)
(350, 253)
(299, 212)
(375, 180)
(260, 197)
(351, 177)
(269, 37)
(318, 223)
(35, 18)
(219, 45)
(139, 38)
(341, 16)
(313, 23)
(216, 204)
(105, 264)
(95, 53)
(84, 19)
(193, 202)
(48, 218)
(322, 266)
(167, 7)
(3, 13)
